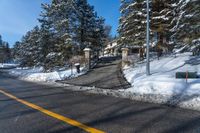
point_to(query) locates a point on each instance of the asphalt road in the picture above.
(109, 114)
(106, 74)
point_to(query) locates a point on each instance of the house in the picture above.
(112, 48)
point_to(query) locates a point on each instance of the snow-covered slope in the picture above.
(162, 80)
(162, 86)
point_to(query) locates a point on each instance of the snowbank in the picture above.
(162, 82)
(37, 74)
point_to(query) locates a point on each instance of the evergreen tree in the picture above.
(1, 50)
(30, 49)
(99, 36)
(5, 54)
(15, 51)
(108, 37)
(56, 28)
(86, 24)
(187, 28)
(162, 21)
(132, 28)
(1, 41)
(132, 22)
(47, 44)
(107, 32)
(173, 21)
(67, 27)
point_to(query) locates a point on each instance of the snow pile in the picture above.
(37, 74)
(162, 81)
(7, 65)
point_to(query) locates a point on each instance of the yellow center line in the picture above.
(54, 115)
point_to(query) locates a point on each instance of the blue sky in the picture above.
(19, 16)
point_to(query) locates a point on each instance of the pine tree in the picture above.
(1, 41)
(5, 53)
(47, 44)
(57, 29)
(86, 24)
(108, 37)
(1, 50)
(99, 36)
(132, 22)
(15, 51)
(107, 32)
(67, 27)
(30, 49)
(162, 21)
(132, 29)
(187, 28)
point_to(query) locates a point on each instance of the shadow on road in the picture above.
(102, 112)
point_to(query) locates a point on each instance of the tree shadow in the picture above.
(174, 102)
(193, 61)
(119, 113)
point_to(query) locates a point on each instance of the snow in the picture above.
(77, 64)
(37, 74)
(162, 81)
(161, 17)
(7, 65)
(87, 49)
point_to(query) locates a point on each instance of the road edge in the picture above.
(174, 101)
(182, 101)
